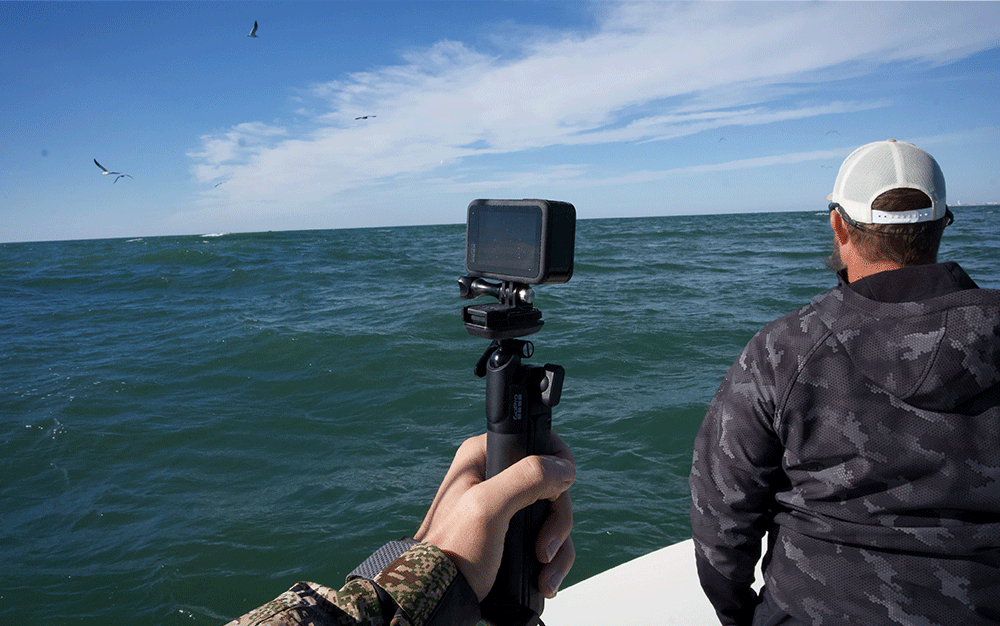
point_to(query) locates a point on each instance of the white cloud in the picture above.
(651, 72)
(218, 152)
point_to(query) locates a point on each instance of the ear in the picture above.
(839, 227)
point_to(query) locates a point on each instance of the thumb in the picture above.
(531, 479)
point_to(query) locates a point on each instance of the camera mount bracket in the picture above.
(512, 316)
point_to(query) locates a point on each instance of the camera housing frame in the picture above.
(526, 241)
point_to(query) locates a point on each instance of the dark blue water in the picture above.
(189, 425)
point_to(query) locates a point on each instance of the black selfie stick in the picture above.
(519, 401)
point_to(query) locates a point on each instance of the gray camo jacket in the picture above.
(862, 439)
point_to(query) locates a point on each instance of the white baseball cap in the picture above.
(878, 167)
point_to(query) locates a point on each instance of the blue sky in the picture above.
(629, 109)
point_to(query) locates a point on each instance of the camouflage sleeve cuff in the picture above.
(428, 588)
(381, 558)
(309, 603)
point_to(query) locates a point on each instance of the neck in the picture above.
(858, 267)
(862, 268)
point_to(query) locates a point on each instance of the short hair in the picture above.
(905, 244)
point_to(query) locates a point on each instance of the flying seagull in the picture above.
(253, 33)
(364, 117)
(106, 172)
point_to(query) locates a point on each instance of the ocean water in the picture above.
(190, 425)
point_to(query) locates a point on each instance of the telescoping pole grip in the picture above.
(519, 401)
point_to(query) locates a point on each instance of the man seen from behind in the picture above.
(858, 438)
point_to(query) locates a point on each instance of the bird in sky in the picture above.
(364, 117)
(105, 171)
(253, 33)
(222, 183)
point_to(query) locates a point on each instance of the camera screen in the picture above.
(505, 240)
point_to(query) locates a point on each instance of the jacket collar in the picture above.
(911, 284)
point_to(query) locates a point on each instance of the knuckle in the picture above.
(533, 470)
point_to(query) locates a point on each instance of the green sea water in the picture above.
(190, 425)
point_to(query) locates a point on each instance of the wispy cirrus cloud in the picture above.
(650, 72)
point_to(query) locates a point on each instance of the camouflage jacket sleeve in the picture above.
(423, 588)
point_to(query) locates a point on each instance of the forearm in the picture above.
(734, 603)
(727, 548)
(734, 474)
(420, 588)
(464, 528)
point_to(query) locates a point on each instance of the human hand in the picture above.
(469, 516)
